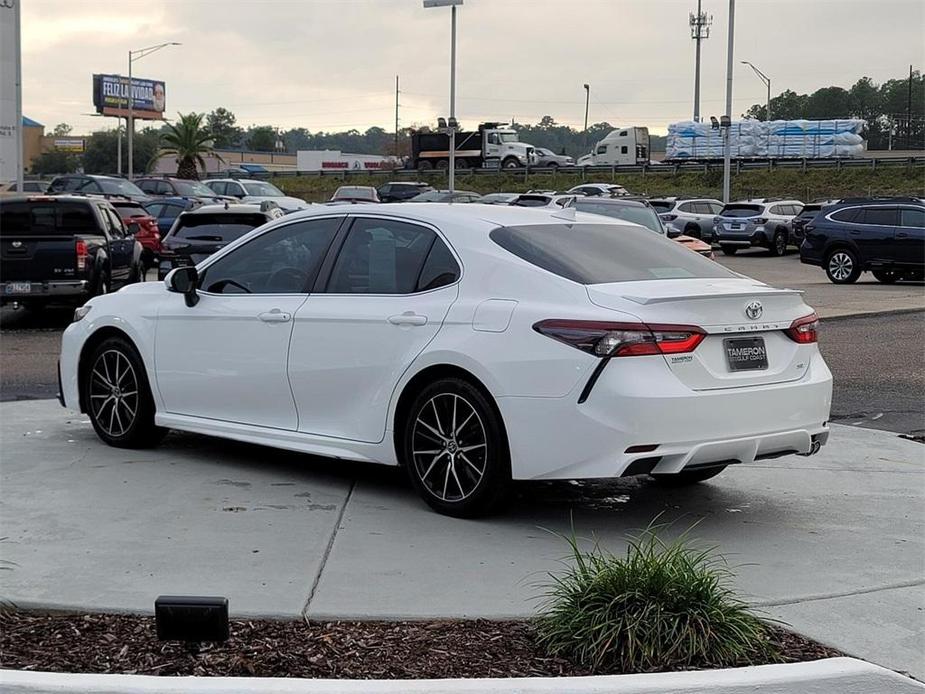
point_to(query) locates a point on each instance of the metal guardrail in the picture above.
(645, 169)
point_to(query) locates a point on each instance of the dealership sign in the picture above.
(111, 97)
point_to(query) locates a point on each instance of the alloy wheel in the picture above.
(449, 447)
(113, 393)
(780, 241)
(841, 266)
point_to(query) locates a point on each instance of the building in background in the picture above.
(335, 160)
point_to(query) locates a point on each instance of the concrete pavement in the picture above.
(832, 544)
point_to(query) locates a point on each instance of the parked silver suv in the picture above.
(688, 216)
(765, 222)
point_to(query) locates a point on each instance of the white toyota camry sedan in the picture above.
(470, 344)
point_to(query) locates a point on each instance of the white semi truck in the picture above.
(620, 146)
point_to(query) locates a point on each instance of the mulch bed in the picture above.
(128, 644)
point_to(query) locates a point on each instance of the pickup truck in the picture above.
(64, 248)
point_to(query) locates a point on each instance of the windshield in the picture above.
(595, 254)
(221, 228)
(740, 210)
(644, 216)
(118, 186)
(193, 188)
(266, 190)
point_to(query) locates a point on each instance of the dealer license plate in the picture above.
(17, 288)
(746, 353)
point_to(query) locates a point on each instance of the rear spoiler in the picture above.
(646, 300)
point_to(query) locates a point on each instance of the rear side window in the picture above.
(912, 218)
(381, 256)
(219, 228)
(686, 207)
(848, 215)
(25, 218)
(601, 253)
(440, 268)
(881, 216)
(741, 210)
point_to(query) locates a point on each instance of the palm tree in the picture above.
(188, 141)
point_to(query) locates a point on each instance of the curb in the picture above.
(830, 676)
(873, 314)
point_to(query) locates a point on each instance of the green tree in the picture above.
(54, 162)
(101, 151)
(188, 141)
(62, 130)
(828, 102)
(221, 123)
(262, 138)
(788, 105)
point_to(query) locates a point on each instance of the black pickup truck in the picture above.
(64, 248)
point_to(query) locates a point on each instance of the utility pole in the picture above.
(396, 115)
(909, 113)
(587, 102)
(727, 145)
(700, 30)
(452, 173)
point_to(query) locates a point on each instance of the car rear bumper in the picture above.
(744, 239)
(640, 418)
(44, 290)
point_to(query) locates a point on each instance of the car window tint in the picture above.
(776, 209)
(602, 253)
(146, 186)
(163, 188)
(686, 207)
(155, 208)
(218, 187)
(910, 217)
(113, 223)
(661, 205)
(703, 208)
(741, 210)
(282, 261)
(221, 227)
(847, 215)
(440, 268)
(46, 218)
(380, 257)
(883, 216)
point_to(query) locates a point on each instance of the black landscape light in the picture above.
(191, 618)
(714, 124)
(725, 121)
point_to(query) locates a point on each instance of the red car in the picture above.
(148, 234)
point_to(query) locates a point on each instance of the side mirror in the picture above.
(134, 228)
(184, 280)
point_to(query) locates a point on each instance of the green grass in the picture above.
(808, 185)
(661, 606)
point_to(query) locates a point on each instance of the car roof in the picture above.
(235, 180)
(222, 208)
(625, 202)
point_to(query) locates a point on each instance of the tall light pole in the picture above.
(727, 145)
(767, 83)
(452, 4)
(700, 30)
(130, 121)
(587, 102)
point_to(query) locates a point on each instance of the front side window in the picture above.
(117, 186)
(602, 149)
(147, 186)
(217, 187)
(113, 223)
(602, 253)
(381, 256)
(623, 149)
(192, 188)
(911, 217)
(282, 261)
(61, 185)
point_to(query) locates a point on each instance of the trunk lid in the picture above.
(718, 306)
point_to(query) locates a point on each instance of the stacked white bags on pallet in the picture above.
(779, 139)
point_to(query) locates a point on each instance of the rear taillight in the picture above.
(669, 217)
(804, 330)
(761, 220)
(604, 339)
(80, 249)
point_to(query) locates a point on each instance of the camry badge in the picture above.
(753, 310)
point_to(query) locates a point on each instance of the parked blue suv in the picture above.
(883, 235)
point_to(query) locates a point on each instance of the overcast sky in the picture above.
(331, 64)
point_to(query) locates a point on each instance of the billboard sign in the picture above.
(68, 144)
(111, 95)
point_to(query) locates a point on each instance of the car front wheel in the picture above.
(455, 451)
(117, 396)
(842, 266)
(779, 244)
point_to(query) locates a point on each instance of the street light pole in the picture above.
(130, 121)
(767, 83)
(727, 145)
(451, 183)
(587, 102)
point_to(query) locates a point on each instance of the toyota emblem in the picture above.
(753, 310)
(17, 244)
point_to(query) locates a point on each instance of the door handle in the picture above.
(408, 318)
(274, 316)
(901, 235)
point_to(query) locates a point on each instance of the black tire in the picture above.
(693, 230)
(687, 477)
(443, 164)
(729, 250)
(842, 266)
(779, 244)
(425, 165)
(552, 165)
(461, 163)
(510, 163)
(472, 485)
(886, 276)
(117, 396)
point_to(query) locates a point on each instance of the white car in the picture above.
(254, 191)
(471, 344)
(553, 201)
(607, 190)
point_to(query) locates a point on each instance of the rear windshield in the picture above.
(129, 209)
(220, 228)
(601, 253)
(118, 186)
(46, 218)
(354, 193)
(740, 210)
(637, 214)
(193, 188)
(661, 205)
(531, 201)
